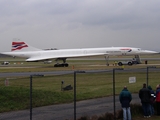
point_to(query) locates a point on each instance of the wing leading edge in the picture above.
(40, 58)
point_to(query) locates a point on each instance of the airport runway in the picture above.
(27, 74)
(92, 107)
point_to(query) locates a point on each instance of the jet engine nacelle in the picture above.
(47, 62)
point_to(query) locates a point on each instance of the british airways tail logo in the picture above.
(18, 45)
(127, 49)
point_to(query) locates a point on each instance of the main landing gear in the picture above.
(61, 65)
(107, 63)
(64, 64)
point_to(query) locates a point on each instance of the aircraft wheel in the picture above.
(66, 65)
(130, 63)
(56, 65)
(61, 65)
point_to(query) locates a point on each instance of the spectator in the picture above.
(125, 98)
(144, 95)
(152, 100)
(158, 99)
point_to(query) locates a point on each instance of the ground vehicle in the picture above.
(5, 63)
(130, 62)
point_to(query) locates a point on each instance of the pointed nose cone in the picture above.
(149, 52)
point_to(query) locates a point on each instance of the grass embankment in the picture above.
(16, 98)
(47, 90)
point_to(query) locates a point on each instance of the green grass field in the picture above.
(47, 90)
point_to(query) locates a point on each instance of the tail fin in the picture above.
(22, 46)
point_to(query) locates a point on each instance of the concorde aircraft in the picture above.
(32, 54)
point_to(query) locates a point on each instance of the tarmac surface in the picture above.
(91, 107)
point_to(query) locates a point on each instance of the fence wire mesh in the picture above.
(53, 95)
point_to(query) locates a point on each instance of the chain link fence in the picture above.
(58, 96)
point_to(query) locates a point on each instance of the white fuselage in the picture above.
(68, 53)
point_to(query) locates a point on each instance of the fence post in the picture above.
(30, 97)
(114, 93)
(114, 106)
(74, 95)
(31, 93)
(75, 91)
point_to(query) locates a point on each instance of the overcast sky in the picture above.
(80, 23)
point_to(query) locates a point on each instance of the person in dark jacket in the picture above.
(152, 100)
(158, 99)
(125, 98)
(144, 95)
